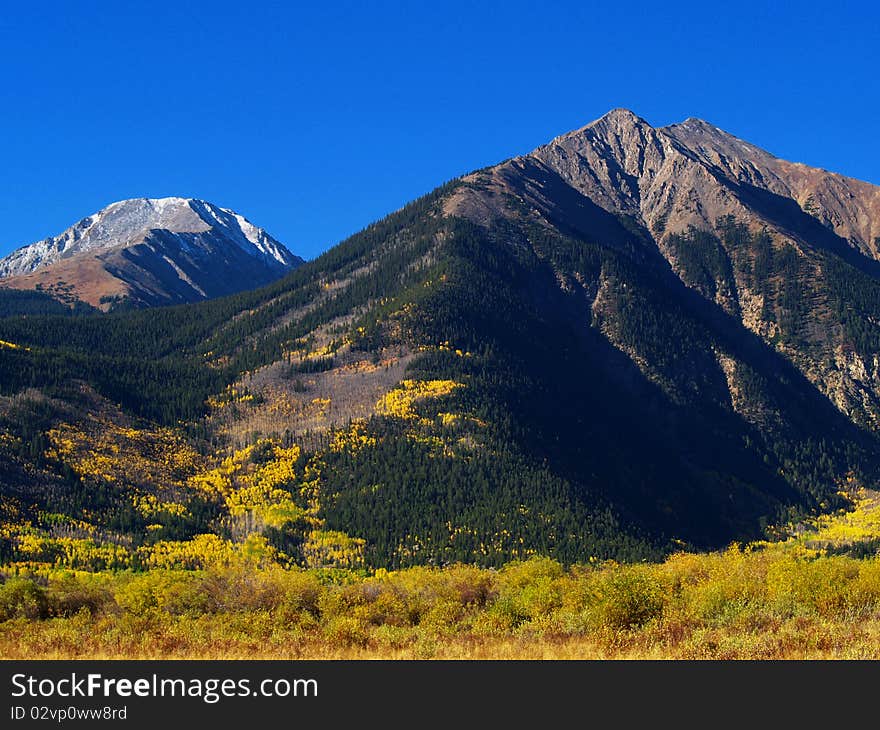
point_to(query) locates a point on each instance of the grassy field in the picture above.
(814, 594)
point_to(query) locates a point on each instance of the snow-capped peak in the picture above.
(128, 222)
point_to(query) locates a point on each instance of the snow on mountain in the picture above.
(129, 222)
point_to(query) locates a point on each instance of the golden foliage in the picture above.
(203, 551)
(12, 346)
(123, 455)
(330, 549)
(353, 439)
(228, 397)
(400, 401)
(261, 490)
(72, 552)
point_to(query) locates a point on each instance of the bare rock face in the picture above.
(151, 251)
(690, 173)
(849, 207)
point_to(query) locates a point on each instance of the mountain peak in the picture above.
(127, 222)
(619, 115)
(694, 128)
(714, 144)
(616, 121)
(609, 159)
(156, 205)
(159, 202)
(696, 122)
(169, 229)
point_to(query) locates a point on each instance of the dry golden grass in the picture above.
(790, 639)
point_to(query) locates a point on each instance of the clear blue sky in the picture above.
(312, 122)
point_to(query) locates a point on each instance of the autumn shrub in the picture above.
(797, 587)
(503, 616)
(531, 602)
(728, 584)
(524, 591)
(22, 598)
(865, 590)
(531, 589)
(394, 637)
(740, 603)
(389, 608)
(171, 592)
(69, 595)
(499, 619)
(428, 591)
(300, 591)
(444, 618)
(519, 574)
(243, 588)
(372, 602)
(420, 588)
(346, 631)
(682, 570)
(467, 585)
(470, 585)
(338, 601)
(624, 598)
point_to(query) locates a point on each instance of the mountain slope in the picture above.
(150, 251)
(609, 347)
(850, 207)
(800, 285)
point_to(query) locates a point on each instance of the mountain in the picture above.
(150, 251)
(849, 207)
(628, 341)
(685, 186)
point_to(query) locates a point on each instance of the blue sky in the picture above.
(314, 121)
